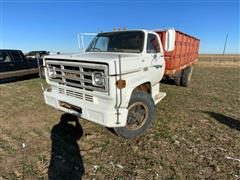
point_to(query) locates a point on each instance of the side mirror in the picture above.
(170, 40)
(84, 39)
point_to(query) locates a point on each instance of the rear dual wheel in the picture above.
(186, 76)
(140, 115)
(182, 78)
(177, 78)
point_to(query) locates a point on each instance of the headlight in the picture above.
(98, 79)
(51, 72)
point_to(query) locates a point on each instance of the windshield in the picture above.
(31, 53)
(130, 42)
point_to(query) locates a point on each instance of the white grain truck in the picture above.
(115, 82)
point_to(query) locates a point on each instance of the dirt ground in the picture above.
(195, 134)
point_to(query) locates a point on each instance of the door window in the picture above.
(16, 56)
(152, 44)
(4, 57)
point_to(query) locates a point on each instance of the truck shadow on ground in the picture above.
(226, 120)
(169, 81)
(66, 161)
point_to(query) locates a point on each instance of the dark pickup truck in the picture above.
(13, 64)
(34, 54)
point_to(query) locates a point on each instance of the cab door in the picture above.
(18, 60)
(154, 52)
(6, 62)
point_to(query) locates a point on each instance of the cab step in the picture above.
(158, 97)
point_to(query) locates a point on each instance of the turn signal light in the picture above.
(120, 29)
(121, 84)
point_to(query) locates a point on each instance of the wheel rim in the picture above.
(137, 116)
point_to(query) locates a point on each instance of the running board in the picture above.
(158, 97)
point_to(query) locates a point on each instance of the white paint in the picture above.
(170, 40)
(136, 68)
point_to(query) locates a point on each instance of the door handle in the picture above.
(11, 64)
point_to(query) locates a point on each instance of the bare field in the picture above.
(219, 64)
(195, 134)
(220, 57)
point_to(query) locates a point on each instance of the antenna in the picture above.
(225, 44)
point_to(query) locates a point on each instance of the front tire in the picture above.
(141, 111)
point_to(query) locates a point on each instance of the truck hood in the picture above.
(130, 62)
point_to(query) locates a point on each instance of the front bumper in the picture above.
(98, 111)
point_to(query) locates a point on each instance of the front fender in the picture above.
(131, 84)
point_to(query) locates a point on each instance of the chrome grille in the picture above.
(75, 94)
(78, 75)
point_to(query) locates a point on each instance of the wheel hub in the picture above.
(137, 115)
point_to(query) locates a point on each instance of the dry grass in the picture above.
(195, 134)
(220, 57)
(219, 64)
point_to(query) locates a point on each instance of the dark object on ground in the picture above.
(226, 120)
(66, 161)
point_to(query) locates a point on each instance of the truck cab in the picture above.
(115, 82)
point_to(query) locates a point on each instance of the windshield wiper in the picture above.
(115, 50)
(125, 50)
(95, 49)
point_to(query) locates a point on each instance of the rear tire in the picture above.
(141, 111)
(177, 78)
(186, 76)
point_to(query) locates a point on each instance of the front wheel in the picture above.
(141, 111)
